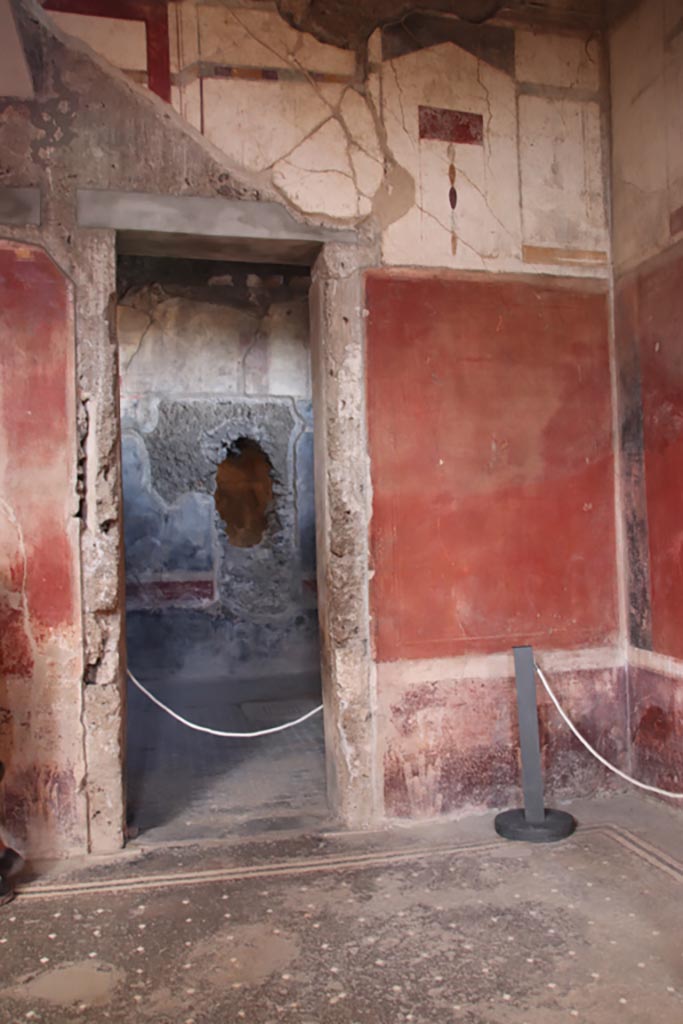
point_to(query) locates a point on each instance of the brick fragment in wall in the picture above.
(101, 584)
(105, 668)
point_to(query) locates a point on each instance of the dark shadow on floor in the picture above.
(184, 784)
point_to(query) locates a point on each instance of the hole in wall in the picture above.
(244, 492)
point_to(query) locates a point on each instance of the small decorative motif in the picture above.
(452, 196)
(454, 127)
(451, 126)
(208, 69)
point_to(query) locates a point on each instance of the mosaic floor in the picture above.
(443, 924)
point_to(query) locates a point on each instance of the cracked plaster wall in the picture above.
(337, 137)
(646, 60)
(199, 370)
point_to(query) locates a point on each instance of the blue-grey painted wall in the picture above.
(196, 375)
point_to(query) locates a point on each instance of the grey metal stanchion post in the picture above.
(533, 823)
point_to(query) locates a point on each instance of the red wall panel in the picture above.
(40, 615)
(656, 719)
(660, 332)
(492, 467)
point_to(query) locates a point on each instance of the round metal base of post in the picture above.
(513, 825)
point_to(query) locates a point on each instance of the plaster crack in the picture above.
(399, 92)
(334, 109)
(487, 100)
(480, 192)
(289, 59)
(300, 142)
(133, 356)
(639, 188)
(318, 170)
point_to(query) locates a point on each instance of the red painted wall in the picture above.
(492, 467)
(656, 718)
(40, 634)
(659, 313)
(454, 743)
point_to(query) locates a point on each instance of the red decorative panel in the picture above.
(40, 614)
(451, 126)
(37, 410)
(660, 330)
(656, 719)
(455, 743)
(492, 467)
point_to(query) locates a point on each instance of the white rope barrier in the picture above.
(593, 751)
(219, 732)
(290, 725)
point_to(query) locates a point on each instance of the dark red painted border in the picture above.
(451, 126)
(155, 17)
(171, 590)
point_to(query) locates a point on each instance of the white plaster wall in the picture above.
(336, 147)
(178, 346)
(562, 189)
(486, 222)
(257, 124)
(572, 62)
(123, 43)
(260, 38)
(646, 60)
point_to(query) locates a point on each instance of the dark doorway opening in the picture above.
(219, 526)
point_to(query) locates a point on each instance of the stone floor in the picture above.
(184, 784)
(445, 923)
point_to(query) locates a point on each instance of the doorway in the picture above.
(219, 526)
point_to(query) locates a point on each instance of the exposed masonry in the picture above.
(343, 510)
